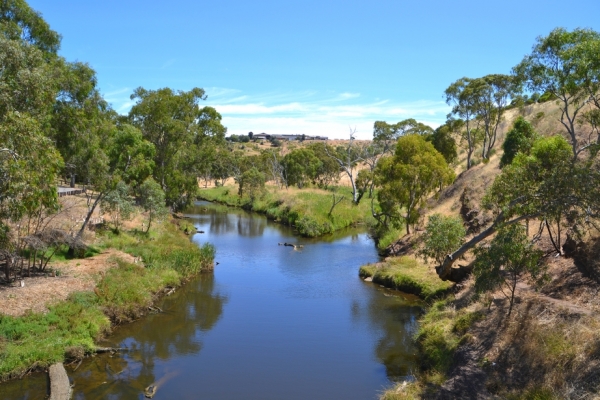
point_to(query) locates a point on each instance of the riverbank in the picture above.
(548, 348)
(311, 211)
(162, 259)
(407, 275)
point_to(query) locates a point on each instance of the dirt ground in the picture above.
(37, 292)
(40, 291)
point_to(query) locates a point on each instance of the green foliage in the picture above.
(19, 22)
(152, 200)
(563, 66)
(131, 155)
(178, 129)
(501, 264)
(251, 183)
(118, 204)
(328, 172)
(443, 142)
(519, 139)
(300, 166)
(407, 179)
(442, 236)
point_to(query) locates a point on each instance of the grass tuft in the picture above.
(407, 275)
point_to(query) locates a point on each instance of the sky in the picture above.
(304, 66)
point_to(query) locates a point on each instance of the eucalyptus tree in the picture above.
(272, 160)
(300, 166)
(405, 180)
(544, 185)
(488, 98)
(178, 128)
(328, 172)
(152, 200)
(18, 21)
(561, 65)
(443, 142)
(519, 139)
(509, 256)
(29, 163)
(463, 107)
(348, 156)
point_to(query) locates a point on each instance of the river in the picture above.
(272, 322)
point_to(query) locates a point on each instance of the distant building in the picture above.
(287, 137)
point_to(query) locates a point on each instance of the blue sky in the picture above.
(313, 67)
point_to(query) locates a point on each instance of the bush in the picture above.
(443, 235)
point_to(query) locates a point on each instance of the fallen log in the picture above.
(110, 349)
(60, 387)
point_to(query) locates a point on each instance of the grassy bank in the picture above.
(124, 292)
(308, 209)
(441, 331)
(407, 275)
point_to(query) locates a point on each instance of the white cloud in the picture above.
(309, 112)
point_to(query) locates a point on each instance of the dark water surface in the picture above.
(270, 323)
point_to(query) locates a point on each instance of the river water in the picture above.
(272, 322)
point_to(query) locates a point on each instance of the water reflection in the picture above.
(396, 323)
(251, 225)
(271, 323)
(175, 332)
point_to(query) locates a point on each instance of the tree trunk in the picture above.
(89, 215)
(445, 271)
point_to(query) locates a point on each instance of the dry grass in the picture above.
(549, 348)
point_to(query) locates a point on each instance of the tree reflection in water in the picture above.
(394, 316)
(175, 332)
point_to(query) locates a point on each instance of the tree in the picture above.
(347, 157)
(152, 200)
(443, 142)
(545, 185)
(488, 97)
(442, 235)
(272, 159)
(462, 106)
(557, 66)
(19, 22)
(405, 180)
(500, 265)
(300, 166)
(131, 155)
(29, 163)
(251, 183)
(519, 139)
(178, 128)
(118, 204)
(328, 172)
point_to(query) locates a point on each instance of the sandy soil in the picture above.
(40, 291)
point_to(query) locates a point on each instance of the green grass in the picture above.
(387, 237)
(407, 275)
(123, 293)
(307, 209)
(38, 340)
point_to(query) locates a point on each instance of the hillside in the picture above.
(550, 347)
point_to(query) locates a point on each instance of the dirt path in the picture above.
(572, 308)
(40, 291)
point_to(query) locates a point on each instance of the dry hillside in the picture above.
(550, 347)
